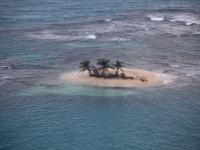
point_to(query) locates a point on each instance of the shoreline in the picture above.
(153, 79)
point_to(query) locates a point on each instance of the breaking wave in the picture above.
(175, 65)
(186, 18)
(197, 33)
(108, 19)
(49, 35)
(156, 18)
(5, 67)
(91, 36)
(166, 78)
(164, 22)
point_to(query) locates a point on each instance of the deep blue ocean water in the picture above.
(40, 40)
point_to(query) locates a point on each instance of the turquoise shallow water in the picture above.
(77, 90)
(39, 41)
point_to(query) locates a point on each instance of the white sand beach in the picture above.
(152, 79)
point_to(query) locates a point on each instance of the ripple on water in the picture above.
(76, 90)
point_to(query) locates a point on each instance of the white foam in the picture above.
(156, 18)
(119, 39)
(107, 19)
(52, 35)
(47, 35)
(2, 67)
(197, 33)
(176, 30)
(189, 74)
(175, 65)
(193, 73)
(188, 23)
(91, 36)
(187, 18)
(166, 78)
(6, 77)
(5, 67)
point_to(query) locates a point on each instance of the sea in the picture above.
(41, 40)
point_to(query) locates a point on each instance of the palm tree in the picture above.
(104, 65)
(118, 65)
(85, 66)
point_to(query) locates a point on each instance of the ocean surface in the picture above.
(40, 40)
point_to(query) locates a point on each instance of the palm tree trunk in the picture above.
(90, 73)
(103, 73)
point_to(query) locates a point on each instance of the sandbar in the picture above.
(153, 79)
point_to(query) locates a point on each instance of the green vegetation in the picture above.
(85, 66)
(102, 70)
(118, 65)
(104, 67)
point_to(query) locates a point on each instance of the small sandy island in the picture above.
(151, 79)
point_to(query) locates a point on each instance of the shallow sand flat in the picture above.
(153, 79)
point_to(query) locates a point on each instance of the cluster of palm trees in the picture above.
(102, 70)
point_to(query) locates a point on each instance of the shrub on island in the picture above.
(103, 69)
